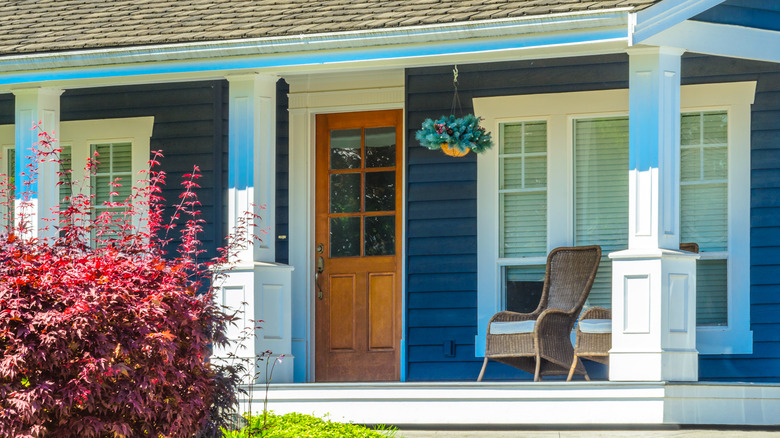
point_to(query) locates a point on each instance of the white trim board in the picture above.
(492, 404)
(664, 15)
(721, 40)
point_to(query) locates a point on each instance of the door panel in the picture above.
(358, 225)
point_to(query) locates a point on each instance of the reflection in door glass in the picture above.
(345, 193)
(380, 147)
(380, 235)
(344, 236)
(380, 191)
(345, 149)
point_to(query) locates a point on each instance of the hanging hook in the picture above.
(455, 75)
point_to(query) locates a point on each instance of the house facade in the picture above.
(634, 125)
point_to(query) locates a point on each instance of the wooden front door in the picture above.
(358, 246)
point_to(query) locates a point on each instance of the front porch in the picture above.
(527, 404)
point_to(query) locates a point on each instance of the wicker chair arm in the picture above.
(506, 316)
(596, 313)
(554, 317)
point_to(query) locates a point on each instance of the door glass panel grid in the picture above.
(362, 192)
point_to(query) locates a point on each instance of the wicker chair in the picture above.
(540, 342)
(594, 338)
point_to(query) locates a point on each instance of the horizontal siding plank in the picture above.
(442, 317)
(452, 172)
(464, 208)
(441, 245)
(437, 300)
(446, 263)
(437, 335)
(442, 282)
(443, 227)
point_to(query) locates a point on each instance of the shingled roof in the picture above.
(58, 25)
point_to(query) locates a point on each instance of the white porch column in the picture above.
(257, 286)
(34, 105)
(653, 282)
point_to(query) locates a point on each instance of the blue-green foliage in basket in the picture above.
(461, 133)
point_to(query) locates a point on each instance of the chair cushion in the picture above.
(512, 327)
(596, 326)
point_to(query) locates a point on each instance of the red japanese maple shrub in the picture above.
(101, 334)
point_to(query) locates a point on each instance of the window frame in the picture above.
(80, 134)
(560, 110)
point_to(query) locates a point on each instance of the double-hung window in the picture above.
(558, 176)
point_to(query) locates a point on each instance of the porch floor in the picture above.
(543, 405)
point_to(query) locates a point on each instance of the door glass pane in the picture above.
(380, 147)
(344, 236)
(345, 149)
(380, 235)
(345, 193)
(380, 191)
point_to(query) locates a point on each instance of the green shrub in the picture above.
(296, 425)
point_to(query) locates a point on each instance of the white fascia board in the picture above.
(405, 46)
(721, 40)
(664, 15)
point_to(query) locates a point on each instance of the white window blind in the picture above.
(65, 176)
(10, 171)
(114, 161)
(523, 189)
(601, 194)
(704, 208)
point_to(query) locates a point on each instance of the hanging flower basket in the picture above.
(455, 136)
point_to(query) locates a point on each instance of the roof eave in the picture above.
(280, 53)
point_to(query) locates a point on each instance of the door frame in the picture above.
(385, 93)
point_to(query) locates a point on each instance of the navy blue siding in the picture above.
(760, 14)
(441, 210)
(188, 128)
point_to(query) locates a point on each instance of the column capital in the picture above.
(654, 50)
(49, 91)
(253, 76)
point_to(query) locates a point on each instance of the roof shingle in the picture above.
(57, 25)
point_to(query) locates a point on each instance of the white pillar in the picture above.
(653, 282)
(36, 106)
(252, 159)
(256, 286)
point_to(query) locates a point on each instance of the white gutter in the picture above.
(520, 32)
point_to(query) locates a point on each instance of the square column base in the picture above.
(678, 366)
(261, 297)
(653, 316)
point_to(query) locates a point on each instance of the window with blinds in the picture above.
(523, 189)
(704, 208)
(601, 194)
(65, 176)
(523, 210)
(10, 171)
(114, 162)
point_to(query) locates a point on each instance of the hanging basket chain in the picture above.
(455, 96)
